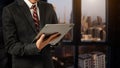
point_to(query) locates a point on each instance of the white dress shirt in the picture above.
(31, 10)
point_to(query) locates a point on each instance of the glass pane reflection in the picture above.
(92, 57)
(93, 20)
(63, 56)
(64, 13)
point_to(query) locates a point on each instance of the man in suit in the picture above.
(19, 29)
(3, 55)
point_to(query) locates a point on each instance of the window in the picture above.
(87, 40)
(93, 20)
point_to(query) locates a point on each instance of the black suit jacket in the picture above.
(19, 32)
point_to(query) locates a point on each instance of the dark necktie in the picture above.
(35, 17)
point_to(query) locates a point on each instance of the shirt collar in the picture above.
(29, 3)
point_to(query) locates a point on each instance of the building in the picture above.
(98, 60)
(85, 61)
(92, 60)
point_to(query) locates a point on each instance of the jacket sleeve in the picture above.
(11, 40)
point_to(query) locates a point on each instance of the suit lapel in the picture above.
(26, 12)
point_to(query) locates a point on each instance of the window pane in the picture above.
(63, 9)
(63, 56)
(93, 20)
(92, 57)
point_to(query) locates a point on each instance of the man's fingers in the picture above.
(40, 41)
(41, 37)
(54, 36)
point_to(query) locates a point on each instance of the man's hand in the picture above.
(42, 42)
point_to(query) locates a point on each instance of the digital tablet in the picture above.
(53, 28)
